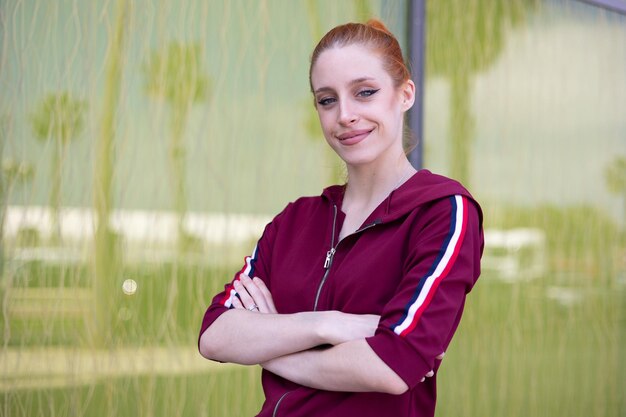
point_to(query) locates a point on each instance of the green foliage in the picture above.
(27, 237)
(582, 243)
(227, 393)
(583, 227)
(167, 306)
(471, 32)
(516, 352)
(363, 10)
(464, 37)
(14, 172)
(177, 74)
(58, 116)
(519, 351)
(615, 176)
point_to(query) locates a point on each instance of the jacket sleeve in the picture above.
(442, 265)
(255, 265)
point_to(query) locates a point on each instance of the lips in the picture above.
(354, 136)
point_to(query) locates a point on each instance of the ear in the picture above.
(407, 94)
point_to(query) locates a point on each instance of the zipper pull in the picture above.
(329, 258)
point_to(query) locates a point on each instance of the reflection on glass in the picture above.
(128, 126)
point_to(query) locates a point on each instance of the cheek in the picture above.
(325, 121)
(327, 124)
(395, 115)
(394, 105)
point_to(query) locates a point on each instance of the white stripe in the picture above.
(443, 263)
(229, 302)
(246, 271)
(249, 262)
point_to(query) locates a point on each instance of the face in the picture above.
(360, 109)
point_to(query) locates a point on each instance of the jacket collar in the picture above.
(422, 188)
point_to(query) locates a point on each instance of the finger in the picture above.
(266, 294)
(428, 375)
(244, 297)
(258, 299)
(236, 303)
(441, 355)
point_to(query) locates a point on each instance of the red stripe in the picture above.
(246, 261)
(444, 273)
(229, 287)
(227, 296)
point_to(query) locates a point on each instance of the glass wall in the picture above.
(525, 103)
(146, 143)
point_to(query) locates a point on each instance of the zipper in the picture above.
(331, 253)
(329, 258)
(279, 401)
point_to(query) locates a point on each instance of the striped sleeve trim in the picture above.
(428, 284)
(248, 269)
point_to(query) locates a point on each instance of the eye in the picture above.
(368, 92)
(325, 101)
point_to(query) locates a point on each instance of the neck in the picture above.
(369, 185)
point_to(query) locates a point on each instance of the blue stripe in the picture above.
(442, 251)
(253, 259)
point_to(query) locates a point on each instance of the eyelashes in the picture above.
(366, 93)
(326, 101)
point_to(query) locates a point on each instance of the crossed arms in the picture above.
(254, 333)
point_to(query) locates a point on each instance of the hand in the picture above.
(253, 295)
(338, 327)
(431, 372)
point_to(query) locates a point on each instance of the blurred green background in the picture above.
(144, 145)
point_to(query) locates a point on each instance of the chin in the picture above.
(355, 159)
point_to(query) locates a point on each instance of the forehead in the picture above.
(341, 65)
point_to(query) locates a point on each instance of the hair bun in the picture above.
(378, 25)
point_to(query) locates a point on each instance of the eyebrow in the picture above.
(353, 82)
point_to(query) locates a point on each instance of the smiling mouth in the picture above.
(354, 136)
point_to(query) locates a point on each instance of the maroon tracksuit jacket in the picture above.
(412, 261)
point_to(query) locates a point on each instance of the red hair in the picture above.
(374, 35)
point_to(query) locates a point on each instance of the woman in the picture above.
(350, 299)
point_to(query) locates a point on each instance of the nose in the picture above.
(347, 115)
